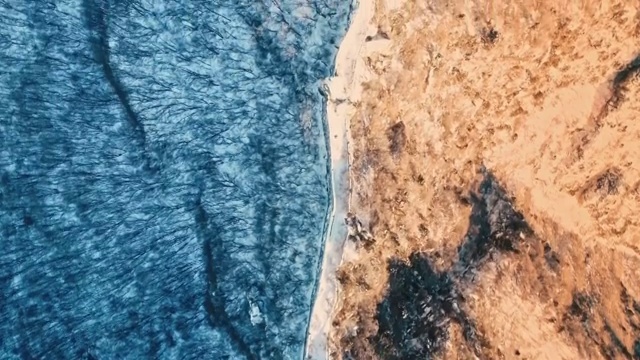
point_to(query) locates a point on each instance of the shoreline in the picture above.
(342, 91)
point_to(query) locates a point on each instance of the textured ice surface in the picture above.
(163, 176)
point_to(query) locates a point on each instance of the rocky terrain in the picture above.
(495, 182)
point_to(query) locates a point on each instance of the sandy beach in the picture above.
(343, 90)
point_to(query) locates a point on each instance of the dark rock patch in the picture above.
(618, 87)
(602, 185)
(489, 35)
(608, 182)
(414, 316)
(357, 233)
(620, 79)
(581, 306)
(380, 35)
(494, 225)
(397, 138)
(551, 257)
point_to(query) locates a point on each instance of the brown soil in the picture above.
(496, 162)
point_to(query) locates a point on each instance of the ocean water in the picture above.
(163, 176)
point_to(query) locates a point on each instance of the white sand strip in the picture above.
(343, 90)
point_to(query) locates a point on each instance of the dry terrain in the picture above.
(496, 166)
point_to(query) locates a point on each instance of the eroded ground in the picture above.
(496, 163)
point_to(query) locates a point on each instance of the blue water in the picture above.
(163, 176)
